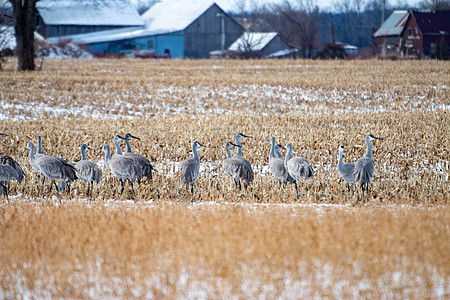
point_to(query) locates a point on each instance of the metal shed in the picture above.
(69, 17)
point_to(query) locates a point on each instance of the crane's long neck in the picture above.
(118, 151)
(288, 155)
(32, 157)
(107, 155)
(238, 142)
(369, 148)
(39, 145)
(340, 158)
(272, 150)
(227, 148)
(128, 146)
(194, 150)
(278, 154)
(83, 153)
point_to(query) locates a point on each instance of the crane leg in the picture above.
(43, 180)
(5, 191)
(192, 188)
(123, 184)
(51, 186)
(88, 186)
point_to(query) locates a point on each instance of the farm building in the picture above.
(414, 34)
(183, 29)
(258, 44)
(68, 17)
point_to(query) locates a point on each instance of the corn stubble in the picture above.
(166, 246)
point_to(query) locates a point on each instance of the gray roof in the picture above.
(170, 16)
(394, 25)
(254, 41)
(91, 12)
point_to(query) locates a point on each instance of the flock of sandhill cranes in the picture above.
(130, 166)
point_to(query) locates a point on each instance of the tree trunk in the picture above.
(24, 25)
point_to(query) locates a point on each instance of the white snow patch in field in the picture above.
(201, 101)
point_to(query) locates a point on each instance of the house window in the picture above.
(409, 32)
(416, 32)
(150, 44)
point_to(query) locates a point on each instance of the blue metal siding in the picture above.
(171, 41)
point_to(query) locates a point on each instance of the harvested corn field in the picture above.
(219, 241)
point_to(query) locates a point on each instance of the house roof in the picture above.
(434, 22)
(394, 25)
(104, 35)
(255, 41)
(172, 15)
(92, 12)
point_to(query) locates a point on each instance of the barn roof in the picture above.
(91, 12)
(255, 41)
(394, 25)
(172, 15)
(104, 35)
(434, 22)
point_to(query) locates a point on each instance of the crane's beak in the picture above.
(3, 134)
(235, 145)
(131, 136)
(201, 145)
(246, 136)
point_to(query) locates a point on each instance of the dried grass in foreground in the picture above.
(200, 251)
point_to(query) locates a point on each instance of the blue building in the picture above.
(183, 29)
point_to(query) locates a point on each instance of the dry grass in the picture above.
(168, 247)
(159, 250)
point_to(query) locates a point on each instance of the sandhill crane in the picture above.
(53, 168)
(247, 171)
(346, 169)
(87, 170)
(234, 167)
(190, 167)
(7, 160)
(39, 154)
(364, 166)
(122, 167)
(7, 173)
(137, 173)
(276, 163)
(297, 167)
(141, 161)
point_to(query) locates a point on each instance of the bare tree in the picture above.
(435, 4)
(24, 12)
(297, 23)
(250, 18)
(6, 30)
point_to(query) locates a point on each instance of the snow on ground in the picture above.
(195, 282)
(253, 286)
(201, 101)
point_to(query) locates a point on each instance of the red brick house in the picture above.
(416, 35)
